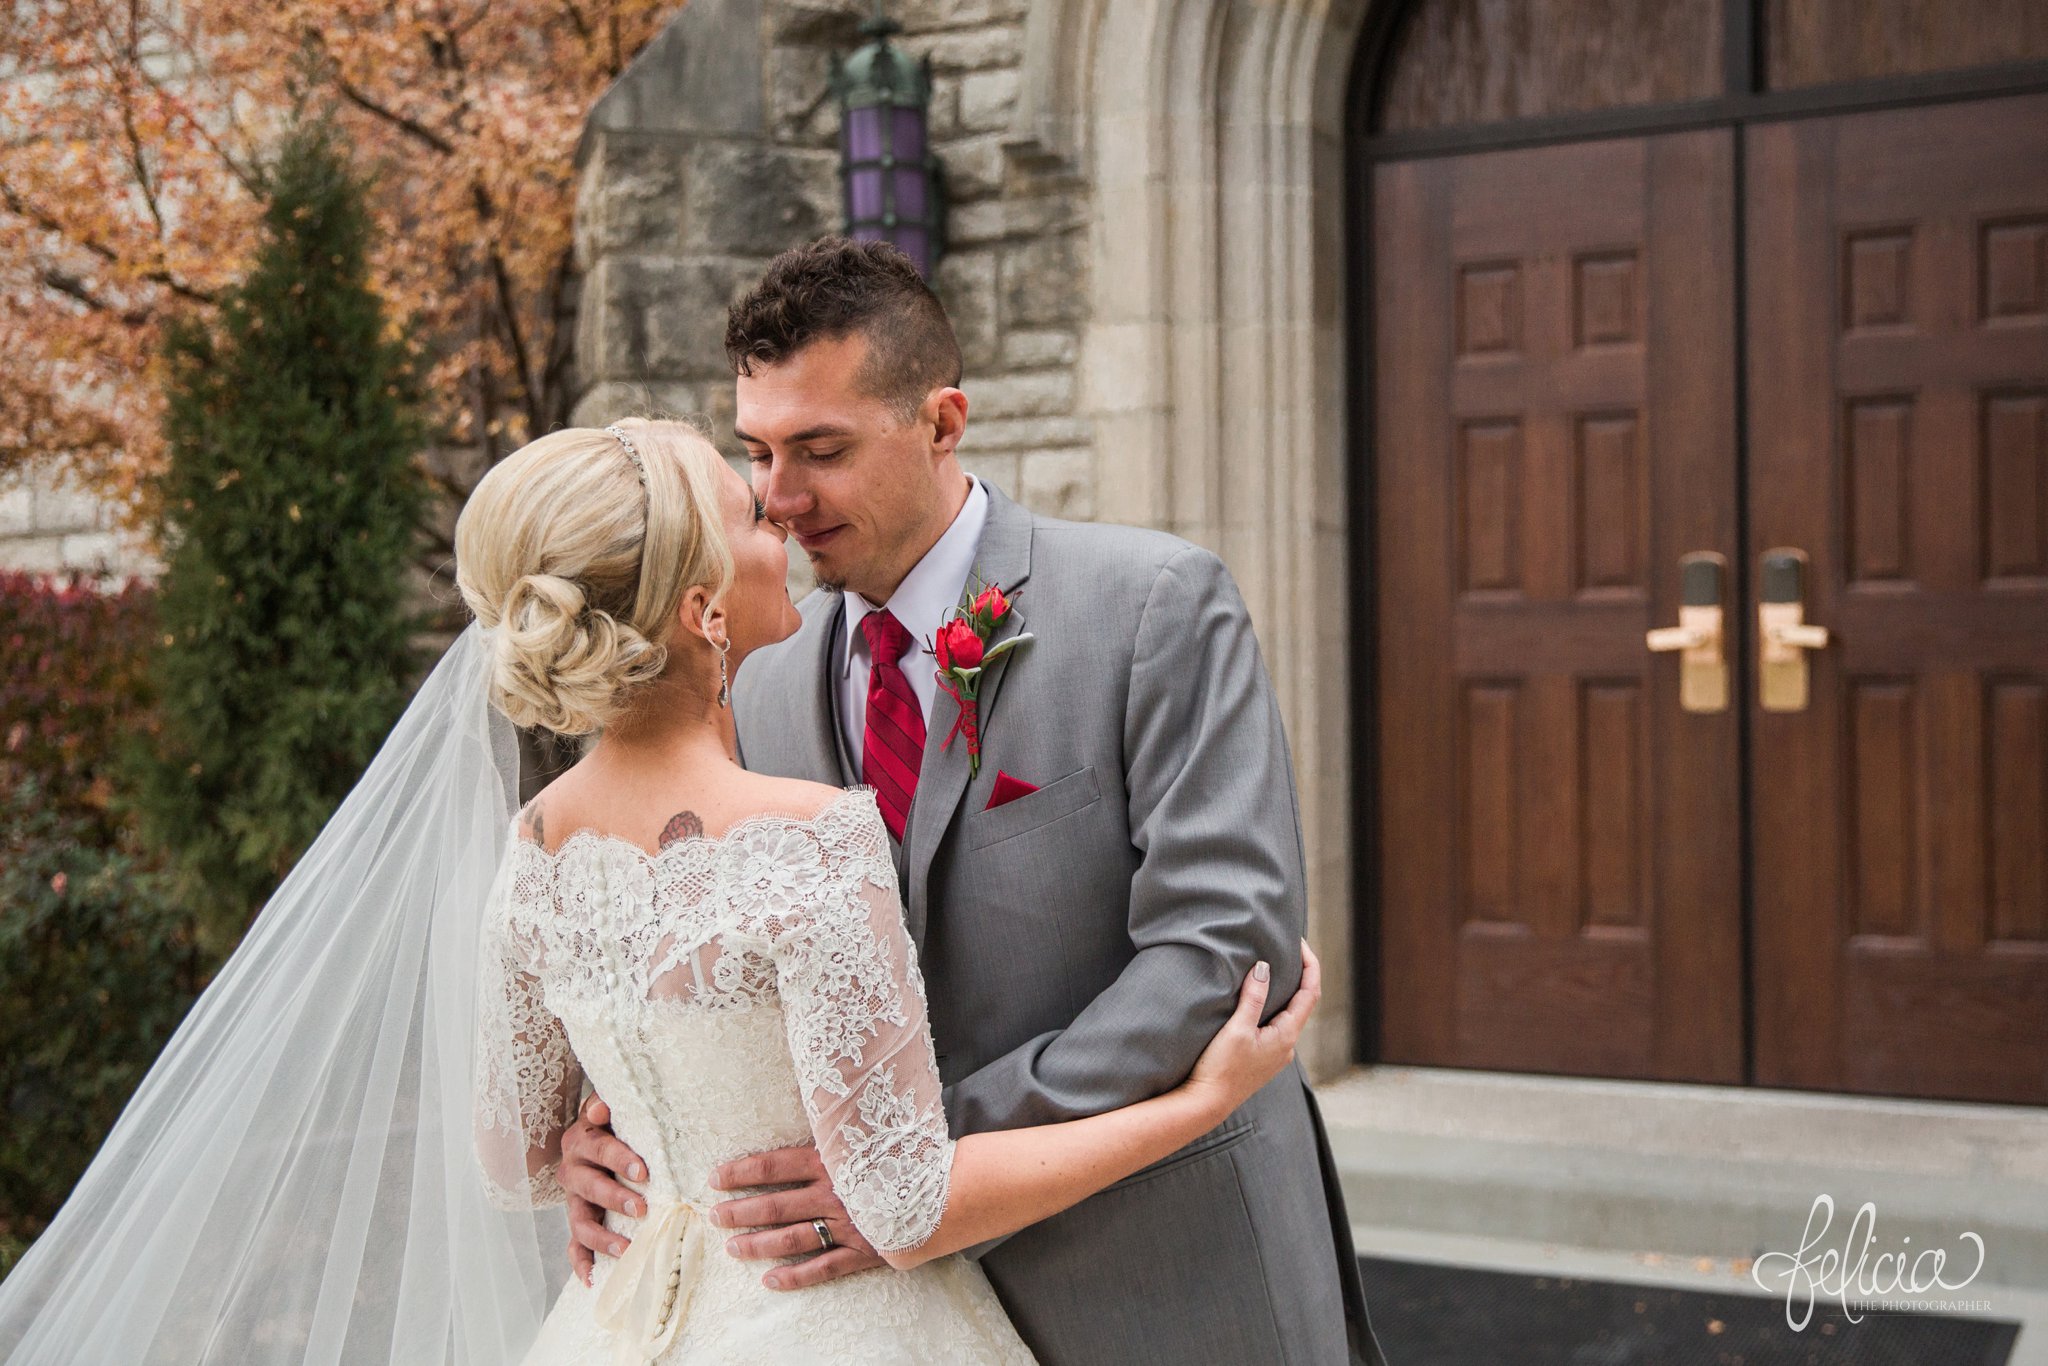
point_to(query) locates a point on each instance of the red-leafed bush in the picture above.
(98, 961)
(73, 685)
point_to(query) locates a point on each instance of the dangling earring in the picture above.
(724, 679)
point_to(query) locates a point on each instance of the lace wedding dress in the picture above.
(728, 995)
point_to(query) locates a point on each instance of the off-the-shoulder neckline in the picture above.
(595, 836)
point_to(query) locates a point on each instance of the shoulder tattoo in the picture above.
(681, 826)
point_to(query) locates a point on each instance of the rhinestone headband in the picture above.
(632, 453)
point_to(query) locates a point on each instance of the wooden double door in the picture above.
(1824, 337)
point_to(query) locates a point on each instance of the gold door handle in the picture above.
(1783, 633)
(1702, 660)
(1793, 635)
(1665, 638)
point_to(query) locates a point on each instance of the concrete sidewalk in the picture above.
(1656, 1183)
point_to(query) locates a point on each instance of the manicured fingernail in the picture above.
(638, 1173)
(732, 1246)
(618, 1249)
(632, 1205)
(1261, 971)
(774, 1282)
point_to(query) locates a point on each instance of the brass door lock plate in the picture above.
(1699, 636)
(1783, 633)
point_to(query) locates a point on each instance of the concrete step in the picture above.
(1707, 1175)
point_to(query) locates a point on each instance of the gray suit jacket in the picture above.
(1082, 943)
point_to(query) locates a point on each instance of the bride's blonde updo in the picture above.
(581, 570)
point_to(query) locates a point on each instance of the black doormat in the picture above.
(1429, 1315)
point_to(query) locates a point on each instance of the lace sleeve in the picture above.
(854, 1007)
(527, 1080)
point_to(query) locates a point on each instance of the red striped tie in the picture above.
(893, 748)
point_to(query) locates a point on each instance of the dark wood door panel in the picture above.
(1887, 631)
(1555, 399)
(1898, 379)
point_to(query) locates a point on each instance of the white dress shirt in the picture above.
(928, 592)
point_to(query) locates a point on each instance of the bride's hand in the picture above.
(1245, 1055)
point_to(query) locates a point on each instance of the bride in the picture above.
(347, 1151)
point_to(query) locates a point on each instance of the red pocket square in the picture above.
(1008, 789)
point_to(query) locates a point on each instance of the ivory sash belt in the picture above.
(647, 1294)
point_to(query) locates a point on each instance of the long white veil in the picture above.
(298, 1177)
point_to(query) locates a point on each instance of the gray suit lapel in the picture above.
(1004, 559)
(822, 747)
(835, 654)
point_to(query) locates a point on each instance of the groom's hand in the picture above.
(809, 1196)
(591, 1158)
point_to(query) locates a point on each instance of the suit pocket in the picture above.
(1215, 1143)
(1162, 1270)
(1075, 792)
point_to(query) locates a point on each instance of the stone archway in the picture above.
(1214, 365)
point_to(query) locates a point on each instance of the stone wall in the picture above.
(719, 148)
(47, 527)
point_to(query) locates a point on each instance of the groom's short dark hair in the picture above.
(833, 288)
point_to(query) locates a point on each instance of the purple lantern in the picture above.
(891, 179)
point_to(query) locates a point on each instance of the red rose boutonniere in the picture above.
(963, 651)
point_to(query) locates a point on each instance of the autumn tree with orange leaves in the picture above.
(130, 134)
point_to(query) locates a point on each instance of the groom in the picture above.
(1085, 904)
